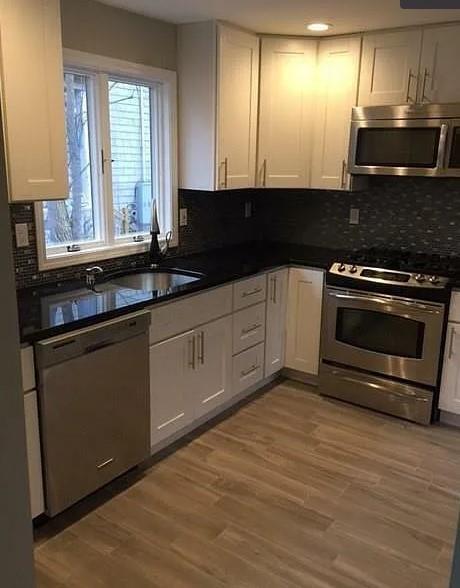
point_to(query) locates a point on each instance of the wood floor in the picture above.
(291, 490)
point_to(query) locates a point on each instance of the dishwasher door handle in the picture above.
(98, 346)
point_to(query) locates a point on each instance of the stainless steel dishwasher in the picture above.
(94, 407)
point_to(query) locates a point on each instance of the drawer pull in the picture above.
(251, 329)
(105, 463)
(251, 292)
(250, 371)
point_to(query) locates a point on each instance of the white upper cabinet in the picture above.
(238, 76)
(439, 69)
(288, 72)
(33, 99)
(389, 70)
(336, 94)
(218, 99)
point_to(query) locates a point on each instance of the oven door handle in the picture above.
(405, 303)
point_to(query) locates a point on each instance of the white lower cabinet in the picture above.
(190, 375)
(275, 337)
(248, 368)
(212, 378)
(449, 398)
(34, 459)
(171, 370)
(305, 300)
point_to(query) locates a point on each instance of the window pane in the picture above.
(73, 220)
(131, 143)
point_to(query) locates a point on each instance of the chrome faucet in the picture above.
(157, 252)
(91, 273)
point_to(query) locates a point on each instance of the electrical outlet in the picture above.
(247, 209)
(22, 235)
(354, 216)
(183, 220)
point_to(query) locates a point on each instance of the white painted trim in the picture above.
(167, 81)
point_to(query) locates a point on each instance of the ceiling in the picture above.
(289, 16)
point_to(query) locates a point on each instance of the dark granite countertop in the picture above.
(51, 310)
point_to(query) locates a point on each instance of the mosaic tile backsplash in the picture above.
(214, 220)
(419, 214)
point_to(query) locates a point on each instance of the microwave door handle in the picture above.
(442, 151)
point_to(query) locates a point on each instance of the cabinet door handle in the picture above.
(426, 75)
(224, 184)
(264, 174)
(409, 82)
(343, 181)
(191, 352)
(250, 371)
(451, 343)
(201, 347)
(251, 329)
(251, 292)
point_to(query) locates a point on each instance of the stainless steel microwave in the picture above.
(408, 140)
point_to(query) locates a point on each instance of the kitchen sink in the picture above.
(153, 280)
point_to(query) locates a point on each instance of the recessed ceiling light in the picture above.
(318, 27)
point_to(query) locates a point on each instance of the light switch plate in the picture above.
(354, 216)
(183, 220)
(22, 235)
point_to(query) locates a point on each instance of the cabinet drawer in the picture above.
(248, 292)
(454, 312)
(248, 327)
(248, 368)
(173, 318)
(27, 368)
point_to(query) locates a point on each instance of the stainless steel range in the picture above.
(382, 334)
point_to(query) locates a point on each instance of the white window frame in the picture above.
(166, 82)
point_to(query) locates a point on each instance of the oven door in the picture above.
(399, 147)
(396, 337)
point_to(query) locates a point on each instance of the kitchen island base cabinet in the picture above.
(276, 321)
(305, 299)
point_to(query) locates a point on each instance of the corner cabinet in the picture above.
(336, 94)
(32, 94)
(218, 103)
(305, 301)
(276, 321)
(449, 397)
(287, 80)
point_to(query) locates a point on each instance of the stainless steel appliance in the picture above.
(382, 336)
(94, 407)
(407, 140)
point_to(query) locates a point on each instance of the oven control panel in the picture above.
(387, 276)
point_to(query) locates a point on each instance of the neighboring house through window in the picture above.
(121, 147)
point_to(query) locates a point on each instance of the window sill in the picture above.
(93, 255)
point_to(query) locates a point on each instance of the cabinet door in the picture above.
(238, 75)
(276, 321)
(286, 99)
(34, 458)
(33, 99)
(439, 71)
(449, 398)
(305, 299)
(171, 385)
(389, 69)
(213, 373)
(337, 90)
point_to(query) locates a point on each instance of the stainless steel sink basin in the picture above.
(150, 281)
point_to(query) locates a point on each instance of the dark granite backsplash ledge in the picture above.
(417, 214)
